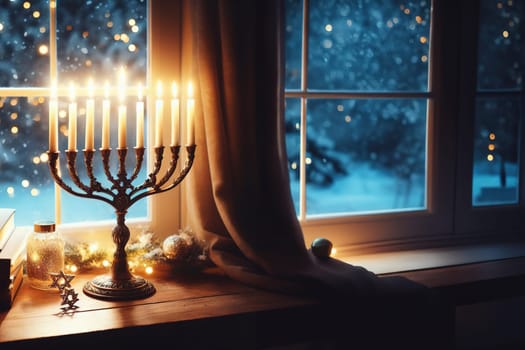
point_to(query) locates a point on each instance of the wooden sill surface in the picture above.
(190, 301)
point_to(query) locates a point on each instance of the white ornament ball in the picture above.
(175, 247)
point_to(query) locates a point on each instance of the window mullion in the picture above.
(304, 87)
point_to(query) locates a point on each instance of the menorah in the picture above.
(121, 284)
(120, 190)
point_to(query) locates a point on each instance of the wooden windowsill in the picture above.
(185, 306)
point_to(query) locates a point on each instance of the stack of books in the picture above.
(12, 257)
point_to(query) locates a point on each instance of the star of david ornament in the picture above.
(62, 281)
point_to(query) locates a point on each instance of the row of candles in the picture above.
(122, 118)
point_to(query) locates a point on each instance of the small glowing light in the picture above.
(35, 192)
(135, 29)
(10, 190)
(44, 157)
(25, 183)
(308, 160)
(35, 256)
(116, 37)
(42, 30)
(492, 136)
(13, 102)
(349, 22)
(73, 268)
(69, 27)
(499, 5)
(27, 5)
(406, 11)
(62, 113)
(328, 27)
(419, 19)
(36, 160)
(43, 49)
(348, 119)
(1, 27)
(105, 263)
(88, 63)
(490, 157)
(14, 115)
(340, 108)
(52, 4)
(297, 126)
(491, 147)
(395, 20)
(423, 39)
(14, 129)
(132, 48)
(327, 43)
(505, 34)
(293, 165)
(333, 251)
(424, 58)
(389, 24)
(132, 22)
(109, 24)
(93, 247)
(85, 34)
(149, 270)
(124, 37)
(36, 14)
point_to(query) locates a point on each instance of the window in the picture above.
(93, 40)
(393, 139)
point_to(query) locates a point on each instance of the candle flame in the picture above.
(174, 89)
(122, 84)
(159, 89)
(106, 89)
(72, 91)
(190, 90)
(90, 87)
(140, 91)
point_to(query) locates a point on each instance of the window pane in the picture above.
(24, 41)
(294, 29)
(501, 42)
(293, 145)
(496, 149)
(25, 182)
(95, 38)
(365, 155)
(368, 45)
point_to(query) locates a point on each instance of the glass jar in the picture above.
(45, 254)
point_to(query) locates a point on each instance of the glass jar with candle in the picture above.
(45, 254)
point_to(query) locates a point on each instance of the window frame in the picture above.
(449, 217)
(164, 211)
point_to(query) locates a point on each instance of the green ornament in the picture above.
(321, 247)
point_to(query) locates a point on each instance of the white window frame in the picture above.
(164, 211)
(449, 217)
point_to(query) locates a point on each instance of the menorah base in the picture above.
(106, 288)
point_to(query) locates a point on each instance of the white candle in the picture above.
(53, 119)
(72, 139)
(175, 116)
(122, 112)
(90, 118)
(140, 119)
(105, 118)
(190, 114)
(159, 112)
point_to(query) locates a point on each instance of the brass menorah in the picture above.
(121, 284)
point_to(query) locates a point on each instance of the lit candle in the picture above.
(105, 118)
(90, 118)
(159, 111)
(190, 114)
(72, 139)
(53, 119)
(175, 116)
(140, 119)
(122, 112)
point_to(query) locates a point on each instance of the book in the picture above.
(12, 255)
(7, 225)
(7, 295)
